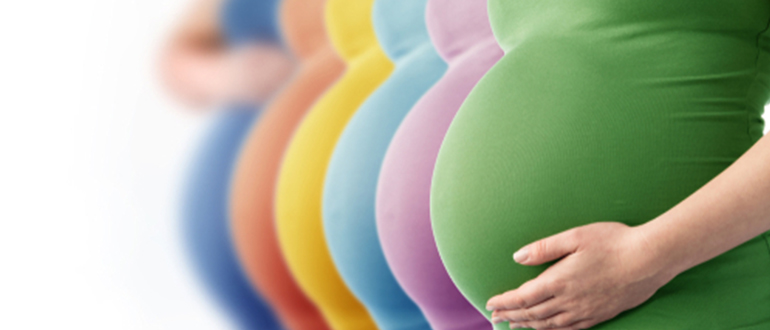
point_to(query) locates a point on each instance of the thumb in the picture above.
(547, 249)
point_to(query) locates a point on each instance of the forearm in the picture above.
(193, 62)
(194, 77)
(731, 209)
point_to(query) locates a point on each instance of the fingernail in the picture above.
(496, 320)
(516, 326)
(490, 308)
(521, 255)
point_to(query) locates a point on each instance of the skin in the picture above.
(606, 268)
(201, 71)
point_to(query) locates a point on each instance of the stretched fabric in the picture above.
(300, 182)
(254, 180)
(461, 32)
(607, 110)
(351, 179)
(205, 222)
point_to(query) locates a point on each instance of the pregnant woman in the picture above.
(253, 184)
(461, 32)
(614, 124)
(300, 182)
(351, 180)
(195, 54)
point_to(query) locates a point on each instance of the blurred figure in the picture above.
(256, 172)
(462, 34)
(224, 53)
(300, 179)
(351, 177)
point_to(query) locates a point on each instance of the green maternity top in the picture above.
(607, 110)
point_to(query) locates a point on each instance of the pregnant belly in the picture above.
(537, 149)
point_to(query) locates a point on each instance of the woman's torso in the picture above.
(605, 110)
(253, 183)
(300, 181)
(351, 180)
(204, 210)
(461, 33)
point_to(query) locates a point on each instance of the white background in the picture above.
(91, 152)
(91, 156)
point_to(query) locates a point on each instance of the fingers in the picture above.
(527, 295)
(548, 249)
(583, 324)
(541, 311)
(559, 321)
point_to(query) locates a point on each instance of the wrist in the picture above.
(661, 249)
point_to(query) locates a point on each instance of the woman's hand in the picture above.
(607, 268)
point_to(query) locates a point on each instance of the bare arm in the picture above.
(731, 209)
(193, 62)
(202, 71)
